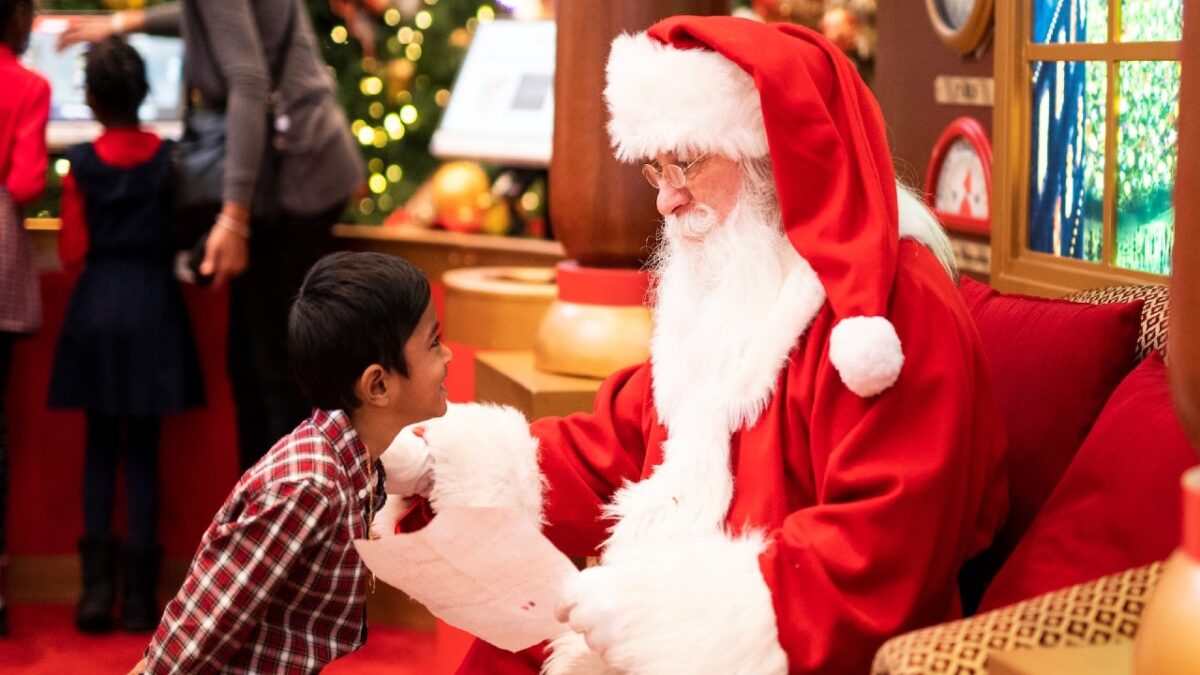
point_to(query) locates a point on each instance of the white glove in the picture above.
(695, 604)
(589, 606)
(407, 464)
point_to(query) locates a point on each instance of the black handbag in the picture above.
(199, 161)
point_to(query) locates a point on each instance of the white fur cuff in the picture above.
(866, 352)
(484, 456)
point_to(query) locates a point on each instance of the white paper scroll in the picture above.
(488, 571)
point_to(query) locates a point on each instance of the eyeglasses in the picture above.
(670, 174)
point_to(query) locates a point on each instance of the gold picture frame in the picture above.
(966, 38)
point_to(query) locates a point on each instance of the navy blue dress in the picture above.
(126, 346)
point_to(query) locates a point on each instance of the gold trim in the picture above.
(966, 39)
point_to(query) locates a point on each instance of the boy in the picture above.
(276, 585)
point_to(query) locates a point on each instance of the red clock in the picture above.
(958, 184)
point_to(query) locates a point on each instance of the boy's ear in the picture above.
(373, 385)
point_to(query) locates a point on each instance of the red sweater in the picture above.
(24, 109)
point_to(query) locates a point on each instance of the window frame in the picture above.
(1015, 267)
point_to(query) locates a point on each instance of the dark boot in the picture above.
(139, 606)
(98, 558)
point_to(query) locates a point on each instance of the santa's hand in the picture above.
(691, 604)
(408, 464)
(589, 606)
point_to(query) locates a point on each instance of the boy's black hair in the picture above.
(353, 310)
(116, 80)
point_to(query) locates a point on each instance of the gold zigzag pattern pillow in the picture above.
(1095, 613)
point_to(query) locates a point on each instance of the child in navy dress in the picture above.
(126, 353)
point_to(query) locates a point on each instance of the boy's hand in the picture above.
(407, 464)
(139, 668)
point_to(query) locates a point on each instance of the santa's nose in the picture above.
(672, 199)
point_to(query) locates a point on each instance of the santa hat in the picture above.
(743, 89)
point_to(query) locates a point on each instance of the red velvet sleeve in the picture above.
(27, 176)
(587, 457)
(909, 484)
(73, 237)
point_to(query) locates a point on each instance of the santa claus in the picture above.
(813, 450)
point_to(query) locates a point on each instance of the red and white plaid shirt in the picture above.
(276, 585)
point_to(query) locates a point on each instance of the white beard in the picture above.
(719, 295)
(731, 301)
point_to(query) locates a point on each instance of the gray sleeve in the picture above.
(162, 19)
(238, 54)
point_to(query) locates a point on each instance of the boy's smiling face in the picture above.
(423, 392)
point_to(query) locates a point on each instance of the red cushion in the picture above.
(1118, 505)
(1053, 365)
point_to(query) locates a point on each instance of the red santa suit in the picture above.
(782, 508)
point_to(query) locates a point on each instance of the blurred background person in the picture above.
(24, 109)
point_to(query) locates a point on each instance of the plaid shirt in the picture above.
(276, 585)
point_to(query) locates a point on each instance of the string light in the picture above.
(338, 35)
(485, 14)
(395, 129)
(62, 166)
(412, 52)
(371, 85)
(391, 17)
(408, 114)
(423, 19)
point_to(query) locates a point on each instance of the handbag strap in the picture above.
(277, 64)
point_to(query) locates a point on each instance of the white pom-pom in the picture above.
(866, 352)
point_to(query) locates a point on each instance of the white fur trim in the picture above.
(694, 604)
(691, 101)
(867, 354)
(569, 655)
(484, 456)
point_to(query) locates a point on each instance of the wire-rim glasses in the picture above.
(670, 174)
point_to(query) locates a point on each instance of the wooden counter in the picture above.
(434, 251)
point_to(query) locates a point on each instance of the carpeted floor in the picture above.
(44, 642)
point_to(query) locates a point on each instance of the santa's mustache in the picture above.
(691, 226)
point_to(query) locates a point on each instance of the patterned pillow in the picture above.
(1098, 612)
(1153, 334)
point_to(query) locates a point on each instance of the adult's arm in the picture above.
(157, 20)
(237, 54)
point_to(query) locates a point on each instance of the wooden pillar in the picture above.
(1183, 332)
(602, 211)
